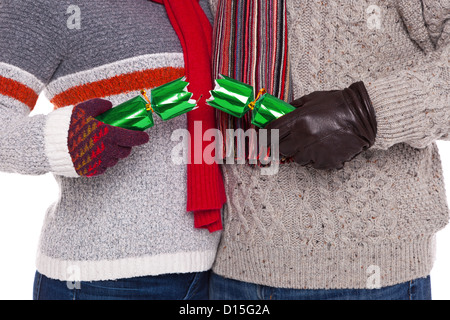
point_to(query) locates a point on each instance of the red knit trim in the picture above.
(216, 226)
(208, 219)
(212, 190)
(205, 186)
(116, 85)
(18, 91)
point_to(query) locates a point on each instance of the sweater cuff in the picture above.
(56, 148)
(399, 119)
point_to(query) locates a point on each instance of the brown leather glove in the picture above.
(328, 128)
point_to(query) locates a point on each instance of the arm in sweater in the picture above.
(213, 6)
(413, 106)
(31, 43)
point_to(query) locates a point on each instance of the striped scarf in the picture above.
(251, 46)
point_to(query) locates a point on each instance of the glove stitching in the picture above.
(325, 137)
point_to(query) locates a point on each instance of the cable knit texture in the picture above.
(376, 218)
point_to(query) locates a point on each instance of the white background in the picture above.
(24, 201)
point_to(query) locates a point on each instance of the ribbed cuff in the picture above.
(399, 119)
(56, 134)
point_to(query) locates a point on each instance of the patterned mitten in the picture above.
(95, 146)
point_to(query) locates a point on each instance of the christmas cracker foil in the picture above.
(237, 98)
(167, 101)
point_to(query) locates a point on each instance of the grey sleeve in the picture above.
(22, 143)
(413, 106)
(208, 10)
(213, 6)
(31, 48)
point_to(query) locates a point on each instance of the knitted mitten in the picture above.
(95, 146)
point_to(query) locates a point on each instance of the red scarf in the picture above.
(205, 190)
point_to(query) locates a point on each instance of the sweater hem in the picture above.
(169, 263)
(354, 266)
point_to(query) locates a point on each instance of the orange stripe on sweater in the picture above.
(116, 85)
(18, 91)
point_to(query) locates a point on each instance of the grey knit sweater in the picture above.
(373, 223)
(132, 220)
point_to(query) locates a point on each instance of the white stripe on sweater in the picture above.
(166, 263)
(17, 74)
(107, 71)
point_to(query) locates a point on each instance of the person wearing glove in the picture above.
(328, 128)
(354, 210)
(128, 223)
(95, 146)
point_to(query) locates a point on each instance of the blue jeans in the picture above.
(189, 286)
(221, 288)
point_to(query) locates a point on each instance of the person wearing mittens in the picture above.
(355, 206)
(129, 223)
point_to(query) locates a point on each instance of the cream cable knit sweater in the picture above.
(374, 222)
